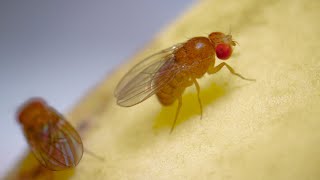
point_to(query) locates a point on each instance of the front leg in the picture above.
(215, 69)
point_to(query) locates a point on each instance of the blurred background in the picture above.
(60, 49)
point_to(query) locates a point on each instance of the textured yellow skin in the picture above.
(268, 129)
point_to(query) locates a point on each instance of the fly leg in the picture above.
(177, 113)
(215, 69)
(94, 155)
(198, 93)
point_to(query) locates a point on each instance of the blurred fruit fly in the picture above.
(53, 141)
(169, 72)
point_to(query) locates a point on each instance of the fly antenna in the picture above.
(230, 30)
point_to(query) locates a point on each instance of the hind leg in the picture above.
(177, 113)
(215, 69)
(198, 93)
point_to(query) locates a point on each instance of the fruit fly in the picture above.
(169, 72)
(53, 141)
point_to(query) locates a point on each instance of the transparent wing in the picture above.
(139, 83)
(58, 146)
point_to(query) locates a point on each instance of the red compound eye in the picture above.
(223, 51)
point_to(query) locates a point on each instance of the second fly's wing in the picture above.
(139, 83)
(58, 147)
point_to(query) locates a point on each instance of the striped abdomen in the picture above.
(173, 89)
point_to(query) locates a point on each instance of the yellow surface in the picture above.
(268, 129)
